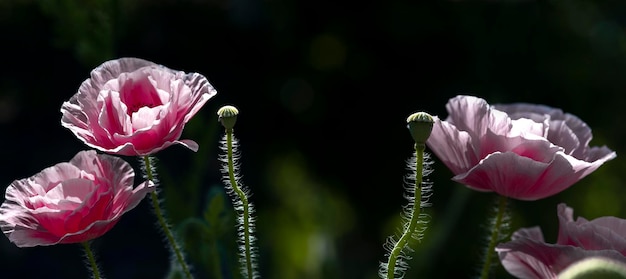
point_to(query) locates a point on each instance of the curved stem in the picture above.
(244, 201)
(92, 260)
(496, 235)
(162, 222)
(404, 239)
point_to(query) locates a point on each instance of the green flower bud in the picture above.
(595, 268)
(420, 125)
(228, 116)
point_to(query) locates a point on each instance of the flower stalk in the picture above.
(239, 194)
(499, 226)
(150, 173)
(93, 266)
(420, 125)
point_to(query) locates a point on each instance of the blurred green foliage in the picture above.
(86, 27)
(304, 222)
(210, 241)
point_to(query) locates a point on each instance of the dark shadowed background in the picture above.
(323, 88)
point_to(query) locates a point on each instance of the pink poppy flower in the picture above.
(521, 151)
(70, 202)
(134, 107)
(528, 256)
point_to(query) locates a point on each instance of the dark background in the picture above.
(324, 88)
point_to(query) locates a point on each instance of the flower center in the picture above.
(138, 92)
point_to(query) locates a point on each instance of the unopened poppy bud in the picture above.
(420, 125)
(228, 116)
(594, 267)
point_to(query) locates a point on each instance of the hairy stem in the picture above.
(244, 201)
(413, 223)
(92, 260)
(496, 235)
(161, 219)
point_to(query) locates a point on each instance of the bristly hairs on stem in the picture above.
(499, 230)
(239, 193)
(177, 257)
(91, 261)
(418, 193)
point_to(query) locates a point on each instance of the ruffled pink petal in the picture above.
(528, 128)
(80, 206)
(523, 264)
(523, 178)
(563, 136)
(113, 117)
(508, 174)
(475, 116)
(146, 118)
(596, 157)
(76, 121)
(566, 130)
(528, 145)
(129, 198)
(453, 147)
(50, 177)
(22, 228)
(518, 177)
(12, 214)
(526, 110)
(21, 193)
(518, 113)
(614, 224)
(600, 153)
(30, 237)
(192, 145)
(95, 207)
(103, 165)
(532, 233)
(582, 132)
(95, 230)
(129, 149)
(52, 221)
(137, 91)
(525, 258)
(71, 191)
(584, 168)
(145, 142)
(123, 174)
(82, 111)
(592, 237)
(203, 91)
(113, 68)
(134, 107)
(565, 215)
(136, 195)
(605, 233)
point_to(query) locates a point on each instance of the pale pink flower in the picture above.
(521, 151)
(70, 202)
(528, 256)
(134, 107)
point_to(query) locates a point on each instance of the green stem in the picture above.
(244, 202)
(162, 222)
(496, 232)
(92, 260)
(216, 260)
(413, 223)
